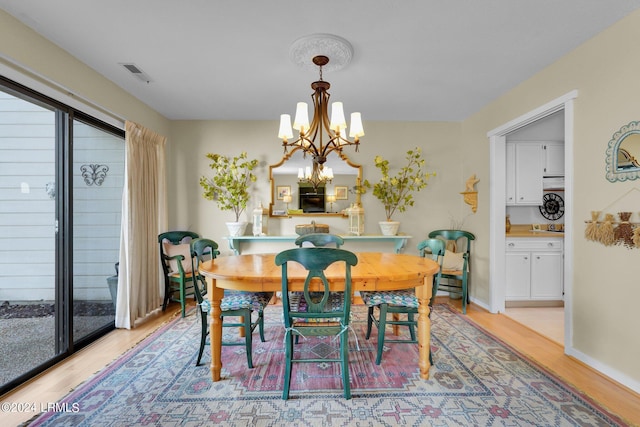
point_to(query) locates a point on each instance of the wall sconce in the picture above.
(470, 193)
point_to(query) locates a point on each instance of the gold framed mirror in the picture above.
(327, 199)
(623, 154)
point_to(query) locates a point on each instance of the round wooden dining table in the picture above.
(374, 271)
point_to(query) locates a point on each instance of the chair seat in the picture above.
(298, 303)
(255, 301)
(330, 323)
(175, 275)
(403, 298)
(451, 272)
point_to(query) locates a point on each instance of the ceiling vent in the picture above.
(137, 72)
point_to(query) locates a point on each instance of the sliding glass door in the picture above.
(27, 236)
(61, 180)
(98, 176)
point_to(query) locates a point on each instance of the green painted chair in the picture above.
(317, 313)
(175, 257)
(456, 265)
(234, 304)
(401, 302)
(320, 240)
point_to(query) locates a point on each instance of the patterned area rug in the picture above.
(477, 380)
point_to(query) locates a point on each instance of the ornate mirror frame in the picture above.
(338, 153)
(623, 154)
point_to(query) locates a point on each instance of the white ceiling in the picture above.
(414, 60)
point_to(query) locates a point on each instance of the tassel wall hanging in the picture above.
(609, 231)
(591, 232)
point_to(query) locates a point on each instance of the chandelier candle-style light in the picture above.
(316, 175)
(321, 136)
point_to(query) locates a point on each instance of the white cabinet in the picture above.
(554, 158)
(511, 174)
(534, 269)
(525, 166)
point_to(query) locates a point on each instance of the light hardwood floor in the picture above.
(548, 321)
(60, 380)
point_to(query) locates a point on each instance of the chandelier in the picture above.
(322, 135)
(315, 176)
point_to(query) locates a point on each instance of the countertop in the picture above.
(524, 230)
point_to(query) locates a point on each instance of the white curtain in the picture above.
(144, 216)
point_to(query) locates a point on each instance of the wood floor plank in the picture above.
(58, 381)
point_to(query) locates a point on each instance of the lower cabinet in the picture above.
(534, 269)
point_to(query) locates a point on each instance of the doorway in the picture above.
(497, 140)
(545, 316)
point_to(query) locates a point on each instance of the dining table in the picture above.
(375, 271)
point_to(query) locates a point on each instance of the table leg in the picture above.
(396, 328)
(423, 293)
(215, 328)
(241, 331)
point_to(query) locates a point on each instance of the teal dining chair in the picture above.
(175, 258)
(402, 302)
(234, 304)
(316, 313)
(456, 265)
(320, 240)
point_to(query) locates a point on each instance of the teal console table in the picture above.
(399, 241)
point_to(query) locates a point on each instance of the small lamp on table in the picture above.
(287, 199)
(331, 198)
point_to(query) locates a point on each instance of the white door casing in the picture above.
(497, 210)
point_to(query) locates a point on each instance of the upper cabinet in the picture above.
(554, 158)
(525, 169)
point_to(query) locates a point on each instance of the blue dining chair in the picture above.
(401, 302)
(313, 313)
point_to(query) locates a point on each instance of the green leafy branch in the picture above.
(396, 192)
(229, 185)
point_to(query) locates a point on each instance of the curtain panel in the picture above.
(144, 216)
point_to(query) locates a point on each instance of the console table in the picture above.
(399, 241)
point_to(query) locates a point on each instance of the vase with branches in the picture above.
(396, 192)
(230, 182)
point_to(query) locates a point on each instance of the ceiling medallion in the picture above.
(304, 49)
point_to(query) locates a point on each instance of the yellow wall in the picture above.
(603, 70)
(19, 44)
(605, 279)
(434, 206)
